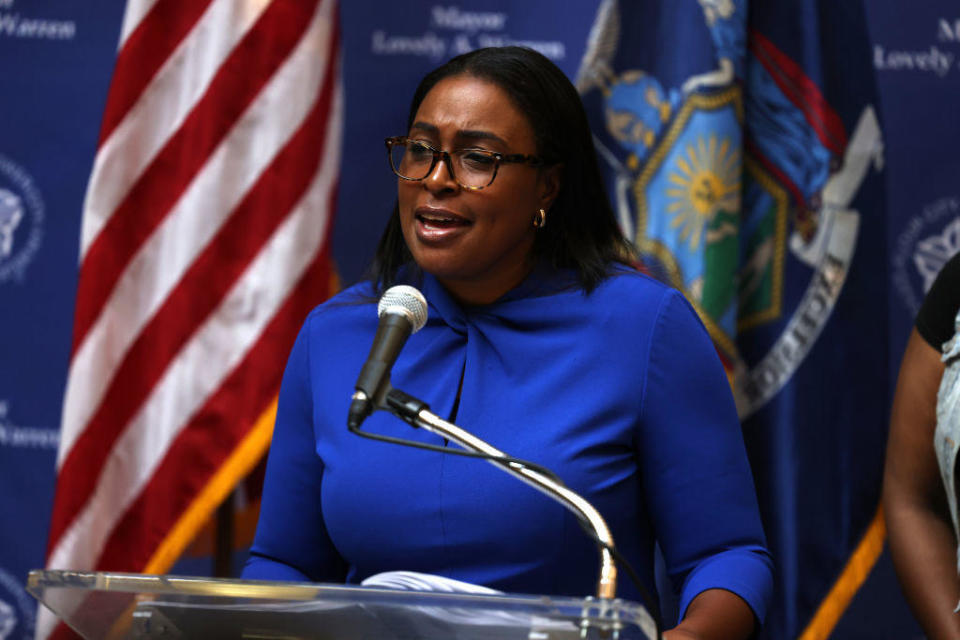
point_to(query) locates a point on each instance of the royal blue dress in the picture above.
(619, 392)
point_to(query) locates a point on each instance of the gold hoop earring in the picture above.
(540, 220)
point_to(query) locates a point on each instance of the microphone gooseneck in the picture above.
(403, 311)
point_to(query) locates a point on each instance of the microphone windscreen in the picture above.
(405, 300)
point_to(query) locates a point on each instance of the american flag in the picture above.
(205, 242)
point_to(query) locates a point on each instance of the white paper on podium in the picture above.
(414, 581)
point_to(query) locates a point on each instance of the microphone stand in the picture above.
(417, 414)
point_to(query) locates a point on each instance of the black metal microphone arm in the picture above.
(417, 414)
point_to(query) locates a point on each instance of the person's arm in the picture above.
(918, 522)
(698, 483)
(715, 614)
(292, 543)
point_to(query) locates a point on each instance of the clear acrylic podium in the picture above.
(115, 605)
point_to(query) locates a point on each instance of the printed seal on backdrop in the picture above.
(17, 610)
(21, 220)
(925, 243)
(717, 222)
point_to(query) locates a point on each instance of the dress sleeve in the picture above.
(698, 481)
(291, 542)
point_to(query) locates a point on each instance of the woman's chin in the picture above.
(444, 269)
(446, 258)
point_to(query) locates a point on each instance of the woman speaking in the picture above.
(543, 341)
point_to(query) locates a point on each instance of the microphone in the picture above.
(402, 311)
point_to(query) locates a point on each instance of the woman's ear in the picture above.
(550, 180)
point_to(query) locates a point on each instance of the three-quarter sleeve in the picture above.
(291, 541)
(694, 466)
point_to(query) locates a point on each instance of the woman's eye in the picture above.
(477, 159)
(419, 150)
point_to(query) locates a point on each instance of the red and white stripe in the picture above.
(205, 242)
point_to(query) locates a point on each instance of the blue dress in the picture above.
(619, 392)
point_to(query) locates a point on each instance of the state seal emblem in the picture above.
(22, 215)
(924, 244)
(17, 609)
(729, 180)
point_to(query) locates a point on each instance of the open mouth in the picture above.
(440, 220)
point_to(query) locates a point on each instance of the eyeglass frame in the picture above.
(499, 158)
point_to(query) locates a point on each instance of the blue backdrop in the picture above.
(55, 63)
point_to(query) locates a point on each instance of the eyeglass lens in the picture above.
(471, 168)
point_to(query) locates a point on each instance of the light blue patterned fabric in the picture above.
(947, 434)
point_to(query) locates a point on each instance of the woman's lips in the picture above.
(439, 225)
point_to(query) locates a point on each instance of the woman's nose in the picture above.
(441, 178)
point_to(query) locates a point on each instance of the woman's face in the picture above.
(477, 243)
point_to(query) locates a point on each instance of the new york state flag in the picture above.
(743, 151)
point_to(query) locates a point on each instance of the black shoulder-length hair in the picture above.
(581, 231)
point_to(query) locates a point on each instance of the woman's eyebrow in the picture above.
(464, 135)
(472, 135)
(425, 126)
